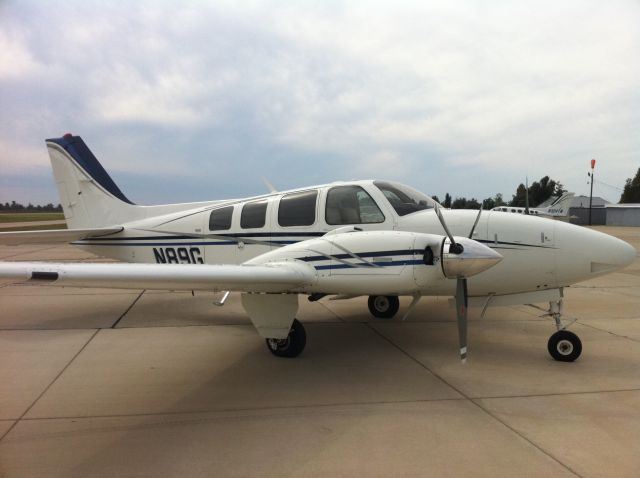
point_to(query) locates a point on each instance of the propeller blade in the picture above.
(461, 313)
(473, 228)
(444, 226)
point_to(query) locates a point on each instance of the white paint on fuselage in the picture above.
(538, 253)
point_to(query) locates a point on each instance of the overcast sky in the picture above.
(203, 100)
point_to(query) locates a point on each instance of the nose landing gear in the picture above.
(563, 345)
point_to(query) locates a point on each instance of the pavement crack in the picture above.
(246, 409)
(50, 385)
(331, 311)
(476, 403)
(607, 331)
(128, 309)
(556, 394)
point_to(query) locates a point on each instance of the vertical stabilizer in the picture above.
(88, 195)
(561, 206)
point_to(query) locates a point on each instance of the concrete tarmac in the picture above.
(146, 383)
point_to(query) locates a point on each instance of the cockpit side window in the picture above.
(351, 205)
(405, 200)
(220, 219)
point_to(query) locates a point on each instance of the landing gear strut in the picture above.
(293, 345)
(383, 306)
(563, 345)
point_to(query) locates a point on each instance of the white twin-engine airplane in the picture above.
(558, 209)
(374, 238)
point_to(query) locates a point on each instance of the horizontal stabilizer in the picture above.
(273, 277)
(53, 235)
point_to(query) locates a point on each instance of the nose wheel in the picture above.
(564, 346)
(383, 306)
(293, 345)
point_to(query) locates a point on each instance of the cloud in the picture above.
(328, 91)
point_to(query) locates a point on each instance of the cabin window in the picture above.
(298, 209)
(253, 215)
(351, 205)
(405, 200)
(220, 219)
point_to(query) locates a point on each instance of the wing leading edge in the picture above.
(276, 277)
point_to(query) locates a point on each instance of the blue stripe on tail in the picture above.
(83, 156)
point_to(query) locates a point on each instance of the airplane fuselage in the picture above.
(539, 254)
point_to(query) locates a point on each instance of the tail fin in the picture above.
(88, 195)
(560, 207)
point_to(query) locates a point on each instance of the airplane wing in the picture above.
(287, 276)
(53, 235)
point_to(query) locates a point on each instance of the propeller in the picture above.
(461, 262)
(454, 247)
(462, 303)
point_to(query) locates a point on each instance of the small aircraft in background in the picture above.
(557, 209)
(358, 238)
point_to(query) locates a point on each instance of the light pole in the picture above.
(593, 165)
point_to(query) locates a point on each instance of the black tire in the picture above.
(564, 346)
(383, 306)
(293, 345)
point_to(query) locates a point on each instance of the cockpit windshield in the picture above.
(405, 200)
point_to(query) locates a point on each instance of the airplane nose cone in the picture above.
(474, 258)
(584, 253)
(610, 254)
(626, 253)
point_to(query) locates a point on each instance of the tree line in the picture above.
(631, 192)
(14, 206)
(539, 192)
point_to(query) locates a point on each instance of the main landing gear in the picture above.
(563, 345)
(383, 306)
(293, 345)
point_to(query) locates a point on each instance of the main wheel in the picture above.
(383, 306)
(293, 345)
(564, 346)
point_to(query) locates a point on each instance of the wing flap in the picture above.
(274, 277)
(53, 235)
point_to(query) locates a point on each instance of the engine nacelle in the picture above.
(382, 262)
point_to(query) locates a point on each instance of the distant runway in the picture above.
(119, 383)
(7, 225)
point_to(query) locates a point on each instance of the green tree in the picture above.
(447, 200)
(539, 192)
(631, 193)
(490, 203)
(519, 197)
(464, 203)
(458, 203)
